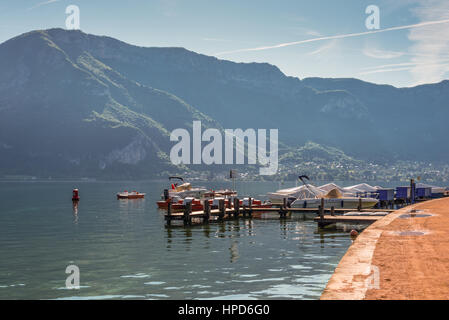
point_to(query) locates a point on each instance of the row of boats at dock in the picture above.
(182, 193)
(305, 196)
(360, 196)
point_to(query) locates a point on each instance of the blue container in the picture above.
(386, 194)
(423, 192)
(403, 193)
(437, 195)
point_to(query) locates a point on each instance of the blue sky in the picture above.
(249, 30)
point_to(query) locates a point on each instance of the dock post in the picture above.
(236, 207)
(250, 203)
(206, 211)
(283, 211)
(221, 208)
(169, 213)
(228, 206)
(332, 211)
(321, 212)
(359, 207)
(187, 212)
(322, 207)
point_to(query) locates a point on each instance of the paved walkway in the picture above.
(398, 257)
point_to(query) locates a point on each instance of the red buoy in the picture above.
(75, 195)
(354, 233)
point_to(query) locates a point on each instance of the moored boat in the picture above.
(130, 195)
(177, 193)
(334, 198)
(255, 203)
(336, 202)
(198, 205)
(310, 196)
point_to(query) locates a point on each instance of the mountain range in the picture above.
(75, 104)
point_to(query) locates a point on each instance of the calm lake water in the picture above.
(124, 250)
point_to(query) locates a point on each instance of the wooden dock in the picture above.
(347, 219)
(235, 212)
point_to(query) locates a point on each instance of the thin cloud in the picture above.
(430, 44)
(215, 39)
(44, 3)
(382, 54)
(385, 70)
(324, 48)
(341, 36)
(406, 66)
(424, 67)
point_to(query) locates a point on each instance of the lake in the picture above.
(124, 250)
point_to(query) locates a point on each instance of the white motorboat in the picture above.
(309, 196)
(291, 194)
(334, 198)
(336, 202)
(185, 190)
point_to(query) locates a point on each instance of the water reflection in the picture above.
(234, 229)
(221, 232)
(289, 229)
(169, 237)
(206, 230)
(283, 228)
(234, 250)
(188, 236)
(129, 205)
(304, 233)
(322, 239)
(75, 211)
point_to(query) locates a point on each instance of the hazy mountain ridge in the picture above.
(72, 114)
(79, 104)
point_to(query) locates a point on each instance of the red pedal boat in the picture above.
(130, 195)
(198, 205)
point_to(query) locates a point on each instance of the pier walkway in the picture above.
(404, 255)
(235, 211)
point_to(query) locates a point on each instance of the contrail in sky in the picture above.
(340, 36)
(43, 4)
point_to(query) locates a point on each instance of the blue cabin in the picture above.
(436, 195)
(403, 193)
(435, 192)
(386, 194)
(423, 192)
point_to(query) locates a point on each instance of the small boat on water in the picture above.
(130, 195)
